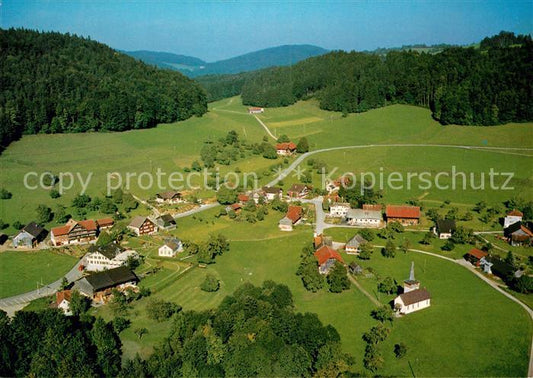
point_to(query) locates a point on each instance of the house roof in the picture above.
(367, 206)
(415, 296)
(401, 211)
(255, 108)
(342, 204)
(355, 267)
(317, 240)
(105, 222)
(110, 278)
(243, 197)
(285, 221)
(479, 254)
(356, 241)
(63, 295)
(236, 206)
(363, 214)
(518, 228)
(138, 221)
(88, 224)
(169, 195)
(110, 250)
(174, 244)
(325, 253)
(33, 229)
(271, 189)
(515, 213)
(167, 219)
(445, 225)
(294, 213)
(285, 146)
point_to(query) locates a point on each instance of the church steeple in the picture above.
(411, 284)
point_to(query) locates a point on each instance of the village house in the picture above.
(63, 301)
(334, 185)
(165, 222)
(355, 268)
(297, 191)
(171, 197)
(326, 257)
(293, 216)
(31, 235)
(75, 232)
(243, 198)
(285, 149)
(353, 245)
(512, 217)
(236, 207)
(364, 218)
(170, 248)
(518, 234)
(142, 226)
(475, 255)
(406, 215)
(108, 257)
(413, 298)
(444, 228)
(105, 223)
(255, 110)
(320, 240)
(98, 286)
(339, 209)
(272, 192)
(496, 266)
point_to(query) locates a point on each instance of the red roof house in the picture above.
(285, 148)
(475, 255)
(294, 213)
(406, 215)
(326, 257)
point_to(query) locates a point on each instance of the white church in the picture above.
(413, 298)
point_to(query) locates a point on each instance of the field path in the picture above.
(366, 293)
(266, 128)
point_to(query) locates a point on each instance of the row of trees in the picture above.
(467, 86)
(53, 83)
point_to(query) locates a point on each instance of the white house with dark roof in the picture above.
(108, 257)
(339, 209)
(444, 228)
(512, 217)
(29, 236)
(364, 218)
(413, 298)
(170, 248)
(353, 245)
(166, 222)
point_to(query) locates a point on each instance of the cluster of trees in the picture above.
(53, 83)
(47, 344)
(336, 280)
(206, 251)
(254, 332)
(467, 86)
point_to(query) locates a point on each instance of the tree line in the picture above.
(54, 83)
(489, 85)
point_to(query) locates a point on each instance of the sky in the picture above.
(215, 30)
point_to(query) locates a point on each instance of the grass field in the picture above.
(20, 271)
(435, 337)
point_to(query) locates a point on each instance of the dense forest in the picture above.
(53, 83)
(489, 85)
(254, 332)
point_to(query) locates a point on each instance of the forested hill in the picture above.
(53, 83)
(489, 85)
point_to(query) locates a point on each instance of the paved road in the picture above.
(17, 302)
(196, 210)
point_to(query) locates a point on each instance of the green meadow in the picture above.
(23, 271)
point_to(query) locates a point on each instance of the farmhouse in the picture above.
(512, 217)
(285, 149)
(498, 267)
(104, 223)
(98, 286)
(170, 197)
(63, 301)
(29, 236)
(339, 209)
(293, 216)
(108, 257)
(517, 234)
(75, 232)
(372, 207)
(335, 185)
(352, 246)
(406, 215)
(170, 248)
(255, 110)
(355, 268)
(475, 255)
(166, 222)
(444, 228)
(413, 298)
(142, 226)
(326, 257)
(272, 192)
(243, 198)
(320, 240)
(297, 191)
(364, 218)
(236, 207)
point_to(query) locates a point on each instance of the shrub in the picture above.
(160, 310)
(210, 283)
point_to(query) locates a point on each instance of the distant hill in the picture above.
(167, 60)
(275, 56)
(54, 83)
